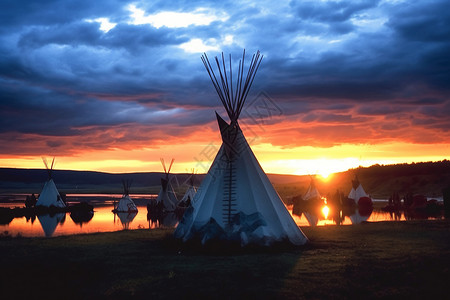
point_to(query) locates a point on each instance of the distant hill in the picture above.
(32, 181)
(380, 181)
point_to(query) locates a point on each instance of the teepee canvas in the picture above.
(357, 192)
(167, 197)
(125, 204)
(313, 203)
(49, 195)
(312, 194)
(236, 201)
(190, 193)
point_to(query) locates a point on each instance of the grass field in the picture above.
(394, 260)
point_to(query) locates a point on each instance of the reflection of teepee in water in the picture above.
(49, 195)
(236, 200)
(49, 223)
(126, 218)
(357, 218)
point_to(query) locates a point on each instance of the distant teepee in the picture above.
(190, 192)
(125, 204)
(357, 192)
(313, 203)
(236, 201)
(312, 194)
(358, 196)
(49, 195)
(167, 197)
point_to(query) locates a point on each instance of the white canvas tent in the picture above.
(236, 201)
(312, 194)
(49, 195)
(167, 196)
(189, 195)
(357, 191)
(190, 192)
(125, 204)
(313, 199)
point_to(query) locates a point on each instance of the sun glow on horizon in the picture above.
(325, 174)
(199, 155)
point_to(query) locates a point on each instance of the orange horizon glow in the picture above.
(303, 160)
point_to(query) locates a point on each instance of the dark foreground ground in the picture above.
(396, 260)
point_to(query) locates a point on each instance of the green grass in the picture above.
(377, 260)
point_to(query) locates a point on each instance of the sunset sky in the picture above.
(114, 86)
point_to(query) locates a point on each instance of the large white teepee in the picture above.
(166, 194)
(125, 204)
(236, 201)
(49, 195)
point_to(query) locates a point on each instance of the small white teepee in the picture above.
(166, 194)
(312, 194)
(49, 195)
(125, 204)
(190, 192)
(357, 192)
(313, 202)
(236, 201)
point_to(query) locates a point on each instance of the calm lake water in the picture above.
(104, 220)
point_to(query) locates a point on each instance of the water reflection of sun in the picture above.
(325, 211)
(325, 208)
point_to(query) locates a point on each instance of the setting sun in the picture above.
(325, 174)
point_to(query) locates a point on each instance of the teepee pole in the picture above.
(170, 167)
(211, 74)
(226, 87)
(233, 101)
(163, 164)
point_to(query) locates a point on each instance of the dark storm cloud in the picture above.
(329, 64)
(335, 15)
(19, 14)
